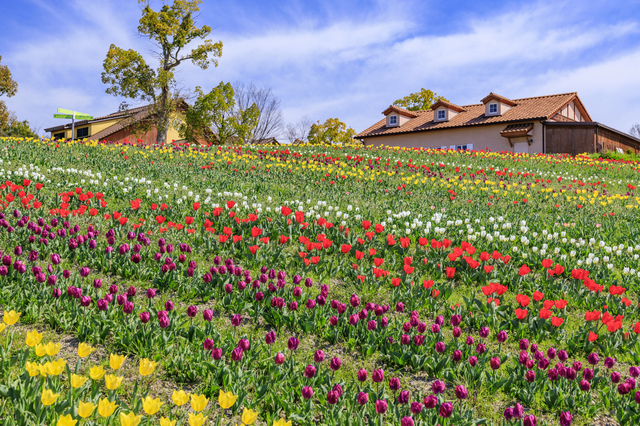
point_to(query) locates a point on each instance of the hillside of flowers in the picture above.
(304, 285)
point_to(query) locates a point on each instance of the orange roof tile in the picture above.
(401, 111)
(515, 130)
(499, 98)
(526, 109)
(446, 104)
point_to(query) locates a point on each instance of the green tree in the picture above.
(171, 29)
(8, 87)
(331, 132)
(216, 111)
(419, 101)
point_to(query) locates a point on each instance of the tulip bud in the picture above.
(279, 358)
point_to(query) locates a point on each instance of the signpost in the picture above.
(72, 115)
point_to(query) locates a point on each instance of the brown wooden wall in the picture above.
(589, 137)
(572, 140)
(609, 141)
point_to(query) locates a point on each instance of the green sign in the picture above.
(64, 111)
(70, 116)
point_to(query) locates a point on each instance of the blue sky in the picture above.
(345, 59)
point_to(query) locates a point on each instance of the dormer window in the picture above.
(441, 114)
(493, 108)
(396, 117)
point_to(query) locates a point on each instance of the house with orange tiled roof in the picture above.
(130, 125)
(542, 124)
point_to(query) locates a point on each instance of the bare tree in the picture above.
(299, 130)
(635, 130)
(270, 121)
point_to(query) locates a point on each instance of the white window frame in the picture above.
(393, 120)
(444, 114)
(491, 106)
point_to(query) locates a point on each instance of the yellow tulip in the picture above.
(2, 326)
(32, 368)
(48, 397)
(112, 381)
(41, 350)
(180, 397)
(56, 367)
(166, 422)
(130, 419)
(85, 409)
(147, 367)
(226, 399)
(196, 420)
(66, 421)
(249, 416)
(52, 348)
(151, 406)
(116, 361)
(33, 338)
(199, 402)
(282, 422)
(84, 350)
(11, 317)
(44, 368)
(77, 381)
(106, 407)
(96, 372)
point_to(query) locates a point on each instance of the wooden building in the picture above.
(543, 124)
(130, 125)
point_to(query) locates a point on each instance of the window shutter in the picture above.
(470, 146)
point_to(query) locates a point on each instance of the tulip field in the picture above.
(309, 285)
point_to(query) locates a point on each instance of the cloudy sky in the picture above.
(342, 58)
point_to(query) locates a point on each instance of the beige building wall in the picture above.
(99, 126)
(482, 137)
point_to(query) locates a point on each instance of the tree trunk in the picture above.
(162, 120)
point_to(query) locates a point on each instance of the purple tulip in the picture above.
(484, 332)
(615, 377)
(593, 359)
(377, 376)
(609, 362)
(530, 420)
(566, 418)
(430, 401)
(461, 392)
(293, 343)
(307, 392)
(318, 357)
(495, 363)
(363, 398)
(394, 383)
(279, 358)
(502, 336)
(216, 353)
(236, 320)
(127, 307)
(416, 407)
(406, 421)
(192, 311)
(381, 406)
(145, 317)
(236, 354)
(207, 315)
(473, 361)
(438, 387)
(85, 301)
(310, 371)
(446, 410)
(440, 347)
(270, 337)
(243, 344)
